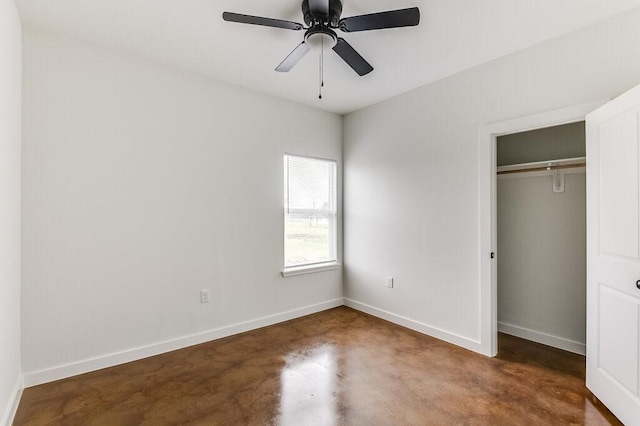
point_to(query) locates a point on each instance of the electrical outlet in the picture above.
(390, 282)
(205, 295)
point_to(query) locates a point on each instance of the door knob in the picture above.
(638, 284)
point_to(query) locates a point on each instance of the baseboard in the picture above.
(14, 401)
(73, 369)
(420, 327)
(544, 338)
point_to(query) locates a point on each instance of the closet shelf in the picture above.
(541, 166)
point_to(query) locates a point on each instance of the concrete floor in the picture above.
(333, 368)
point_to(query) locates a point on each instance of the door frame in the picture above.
(487, 137)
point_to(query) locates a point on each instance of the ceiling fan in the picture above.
(322, 17)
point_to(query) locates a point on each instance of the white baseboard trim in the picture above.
(420, 327)
(544, 338)
(14, 401)
(73, 369)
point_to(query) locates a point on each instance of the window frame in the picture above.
(334, 232)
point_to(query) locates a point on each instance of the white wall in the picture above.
(542, 263)
(411, 192)
(10, 134)
(143, 184)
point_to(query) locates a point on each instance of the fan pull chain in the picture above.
(321, 67)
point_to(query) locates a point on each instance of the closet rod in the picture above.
(543, 168)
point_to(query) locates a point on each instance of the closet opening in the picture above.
(541, 236)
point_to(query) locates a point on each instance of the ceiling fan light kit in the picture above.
(317, 38)
(322, 17)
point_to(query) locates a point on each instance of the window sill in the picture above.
(311, 269)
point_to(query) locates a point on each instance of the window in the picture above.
(310, 225)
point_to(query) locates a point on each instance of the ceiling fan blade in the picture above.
(259, 20)
(319, 7)
(293, 58)
(378, 21)
(352, 58)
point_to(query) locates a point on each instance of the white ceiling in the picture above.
(453, 35)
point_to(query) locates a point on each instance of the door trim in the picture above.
(487, 137)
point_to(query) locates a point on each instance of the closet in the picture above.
(541, 213)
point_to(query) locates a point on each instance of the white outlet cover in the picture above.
(390, 282)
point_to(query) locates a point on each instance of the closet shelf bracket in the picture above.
(558, 181)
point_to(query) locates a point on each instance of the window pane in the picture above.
(310, 213)
(310, 182)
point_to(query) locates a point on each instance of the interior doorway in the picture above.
(489, 255)
(541, 235)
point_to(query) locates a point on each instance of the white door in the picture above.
(613, 255)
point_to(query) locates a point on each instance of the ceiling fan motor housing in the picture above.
(335, 10)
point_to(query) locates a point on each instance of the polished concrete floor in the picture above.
(336, 367)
